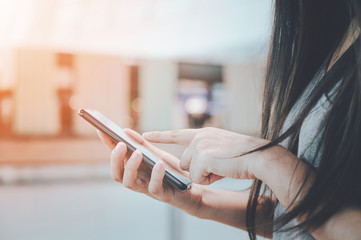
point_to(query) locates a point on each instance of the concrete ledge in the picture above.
(54, 173)
(52, 151)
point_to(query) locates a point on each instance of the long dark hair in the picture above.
(306, 34)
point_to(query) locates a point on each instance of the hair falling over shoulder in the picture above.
(306, 35)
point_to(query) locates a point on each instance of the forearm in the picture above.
(229, 207)
(284, 173)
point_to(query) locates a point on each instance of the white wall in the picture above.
(157, 87)
(7, 68)
(244, 87)
(101, 83)
(36, 111)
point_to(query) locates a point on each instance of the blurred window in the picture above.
(64, 83)
(200, 93)
(6, 112)
(135, 101)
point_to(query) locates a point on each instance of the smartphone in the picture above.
(117, 134)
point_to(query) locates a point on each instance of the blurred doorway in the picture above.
(200, 91)
(6, 112)
(64, 83)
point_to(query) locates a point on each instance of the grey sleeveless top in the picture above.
(308, 142)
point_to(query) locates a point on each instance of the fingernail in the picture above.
(120, 147)
(136, 155)
(159, 167)
(147, 135)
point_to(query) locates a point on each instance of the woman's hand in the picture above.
(228, 207)
(213, 153)
(128, 170)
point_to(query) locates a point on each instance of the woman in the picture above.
(307, 165)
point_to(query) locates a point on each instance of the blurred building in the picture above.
(47, 88)
(146, 64)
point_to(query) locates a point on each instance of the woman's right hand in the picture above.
(127, 169)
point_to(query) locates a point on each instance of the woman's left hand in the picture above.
(212, 153)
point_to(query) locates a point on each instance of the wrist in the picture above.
(266, 162)
(190, 201)
(284, 174)
(202, 201)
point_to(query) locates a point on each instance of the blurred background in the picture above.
(146, 64)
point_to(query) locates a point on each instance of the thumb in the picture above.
(213, 178)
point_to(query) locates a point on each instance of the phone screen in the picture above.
(117, 134)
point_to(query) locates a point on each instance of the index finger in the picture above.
(107, 140)
(169, 159)
(182, 137)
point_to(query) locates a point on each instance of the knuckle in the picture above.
(208, 132)
(127, 184)
(129, 166)
(154, 134)
(194, 177)
(174, 134)
(201, 146)
(113, 153)
(183, 165)
(207, 129)
(198, 137)
(153, 190)
(116, 179)
(163, 155)
(204, 155)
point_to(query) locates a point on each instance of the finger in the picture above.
(197, 175)
(140, 140)
(173, 163)
(182, 137)
(107, 140)
(204, 178)
(155, 186)
(213, 178)
(166, 157)
(199, 170)
(131, 170)
(200, 173)
(134, 135)
(117, 162)
(186, 159)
